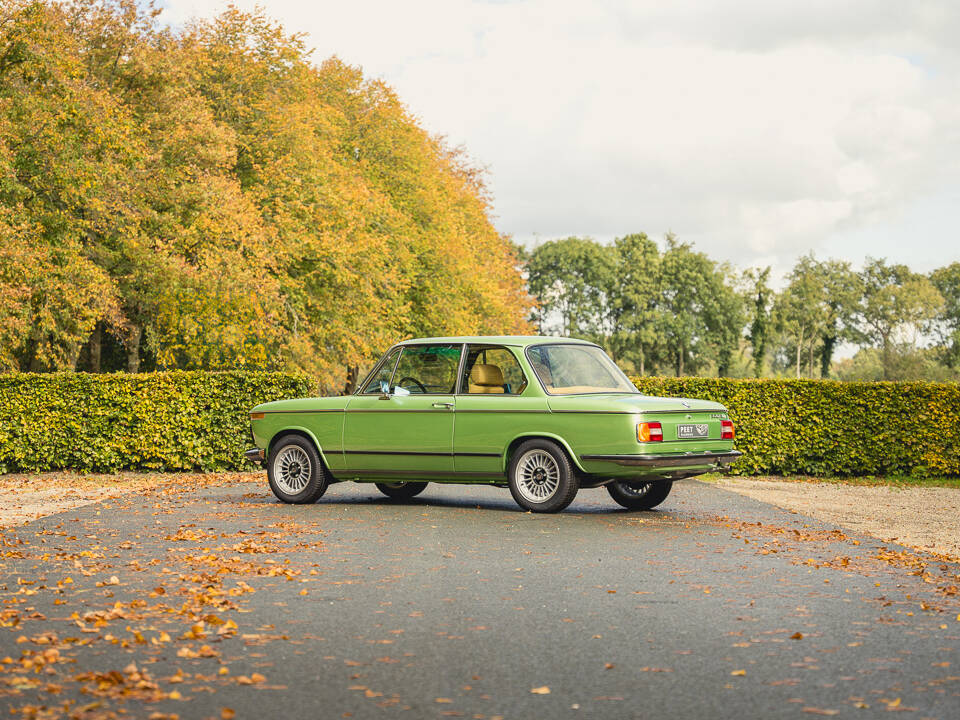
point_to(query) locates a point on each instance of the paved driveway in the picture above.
(212, 600)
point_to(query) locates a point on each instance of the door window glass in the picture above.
(382, 375)
(428, 369)
(492, 370)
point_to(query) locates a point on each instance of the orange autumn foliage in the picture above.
(223, 201)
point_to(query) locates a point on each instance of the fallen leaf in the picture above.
(797, 636)
(227, 714)
(738, 672)
(542, 690)
(820, 711)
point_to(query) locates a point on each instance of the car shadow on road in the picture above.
(592, 502)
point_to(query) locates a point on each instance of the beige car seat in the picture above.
(486, 379)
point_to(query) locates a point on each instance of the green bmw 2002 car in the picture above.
(543, 416)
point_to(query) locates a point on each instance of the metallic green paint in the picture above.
(465, 438)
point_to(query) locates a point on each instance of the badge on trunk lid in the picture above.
(692, 432)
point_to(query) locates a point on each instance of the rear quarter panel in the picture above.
(486, 426)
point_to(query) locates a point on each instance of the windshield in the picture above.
(577, 369)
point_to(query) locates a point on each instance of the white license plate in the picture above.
(693, 432)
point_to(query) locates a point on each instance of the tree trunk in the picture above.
(826, 355)
(810, 359)
(799, 349)
(351, 384)
(642, 362)
(885, 357)
(96, 344)
(680, 361)
(133, 350)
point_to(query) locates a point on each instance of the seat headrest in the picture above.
(482, 374)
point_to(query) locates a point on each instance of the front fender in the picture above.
(296, 430)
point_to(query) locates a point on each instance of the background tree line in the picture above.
(668, 309)
(210, 197)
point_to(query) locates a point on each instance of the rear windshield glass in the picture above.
(577, 369)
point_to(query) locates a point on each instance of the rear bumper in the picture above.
(719, 459)
(254, 455)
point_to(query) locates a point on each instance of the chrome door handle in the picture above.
(448, 406)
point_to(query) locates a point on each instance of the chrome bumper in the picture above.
(254, 455)
(671, 460)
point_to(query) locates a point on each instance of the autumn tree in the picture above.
(211, 197)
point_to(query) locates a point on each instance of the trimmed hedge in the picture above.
(150, 421)
(828, 428)
(198, 421)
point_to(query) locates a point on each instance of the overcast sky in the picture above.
(757, 130)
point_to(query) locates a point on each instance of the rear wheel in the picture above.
(541, 477)
(295, 471)
(640, 495)
(402, 490)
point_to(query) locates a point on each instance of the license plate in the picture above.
(693, 432)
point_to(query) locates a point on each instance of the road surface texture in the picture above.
(207, 598)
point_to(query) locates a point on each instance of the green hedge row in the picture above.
(151, 421)
(198, 421)
(826, 428)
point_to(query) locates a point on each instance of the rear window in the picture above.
(577, 370)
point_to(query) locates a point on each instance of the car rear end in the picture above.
(671, 444)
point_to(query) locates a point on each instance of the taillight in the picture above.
(650, 432)
(726, 430)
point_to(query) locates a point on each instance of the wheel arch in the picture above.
(523, 437)
(301, 432)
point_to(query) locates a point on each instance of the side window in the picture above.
(383, 374)
(492, 370)
(428, 369)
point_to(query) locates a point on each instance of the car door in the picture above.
(409, 429)
(492, 408)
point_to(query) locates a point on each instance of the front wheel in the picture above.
(541, 477)
(402, 490)
(295, 472)
(640, 495)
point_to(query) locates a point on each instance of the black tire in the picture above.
(640, 495)
(402, 490)
(526, 482)
(302, 465)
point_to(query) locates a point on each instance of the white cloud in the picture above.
(759, 130)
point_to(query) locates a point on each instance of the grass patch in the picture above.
(902, 481)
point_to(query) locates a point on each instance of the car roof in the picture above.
(520, 340)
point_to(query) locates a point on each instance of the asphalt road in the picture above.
(458, 604)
